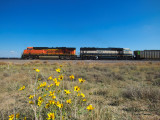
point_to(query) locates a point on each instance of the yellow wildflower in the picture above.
(57, 83)
(46, 89)
(82, 95)
(71, 77)
(51, 116)
(17, 115)
(63, 118)
(47, 105)
(43, 84)
(52, 102)
(78, 94)
(81, 80)
(50, 78)
(54, 97)
(67, 92)
(25, 118)
(76, 88)
(39, 103)
(51, 93)
(31, 102)
(58, 70)
(31, 96)
(60, 77)
(68, 101)
(59, 104)
(84, 100)
(37, 70)
(44, 95)
(40, 100)
(55, 79)
(89, 107)
(22, 88)
(11, 117)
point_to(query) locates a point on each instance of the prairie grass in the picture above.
(118, 91)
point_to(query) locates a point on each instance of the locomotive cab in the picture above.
(29, 48)
(26, 53)
(127, 53)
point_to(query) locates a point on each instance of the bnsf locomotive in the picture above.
(37, 52)
(88, 53)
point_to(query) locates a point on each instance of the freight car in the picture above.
(147, 54)
(60, 52)
(105, 53)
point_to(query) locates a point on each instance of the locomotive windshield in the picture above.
(127, 51)
(29, 48)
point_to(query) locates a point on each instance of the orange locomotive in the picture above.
(61, 52)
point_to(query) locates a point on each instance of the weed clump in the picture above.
(6, 74)
(141, 92)
(50, 100)
(157, 82)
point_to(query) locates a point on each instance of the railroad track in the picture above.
(21, 61)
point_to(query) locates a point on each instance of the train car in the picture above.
(105, 53)
(60, 52)
(147, 54)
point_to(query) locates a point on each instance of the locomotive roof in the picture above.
(39, 48)
(93, 48)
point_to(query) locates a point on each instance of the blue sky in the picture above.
(133, 24)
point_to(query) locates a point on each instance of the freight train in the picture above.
(89, 53)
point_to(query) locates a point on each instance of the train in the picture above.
(89, 53)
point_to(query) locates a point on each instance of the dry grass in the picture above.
(126, 91)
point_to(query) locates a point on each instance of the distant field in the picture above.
(118, 90)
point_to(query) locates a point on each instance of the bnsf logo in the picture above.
(53, 51)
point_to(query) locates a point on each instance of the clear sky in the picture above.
(133, 24)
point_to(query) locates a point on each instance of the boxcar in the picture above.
(147, 54)
(60, 52)
(105, 53)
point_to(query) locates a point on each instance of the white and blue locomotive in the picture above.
(87, 53)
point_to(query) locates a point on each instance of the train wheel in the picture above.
(96, 57)
(62, 57)
(67, 57)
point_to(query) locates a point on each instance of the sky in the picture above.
(133, 24)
